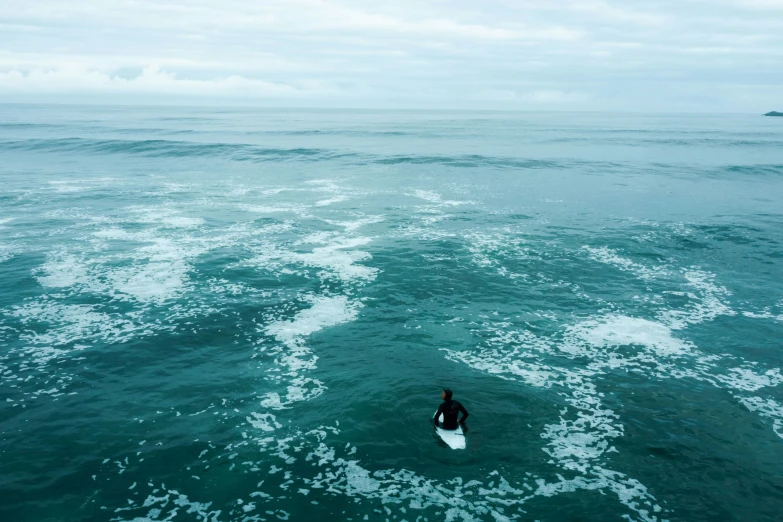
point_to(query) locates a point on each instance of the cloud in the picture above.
(597, 54)
(772, 5)
(152, 80)
(607, 12)
(555, 98)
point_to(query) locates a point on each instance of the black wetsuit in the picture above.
(450, 409)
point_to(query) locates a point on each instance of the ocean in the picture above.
(229, 314)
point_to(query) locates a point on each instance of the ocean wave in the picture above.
(354, 133)
(470, 161)
(160, 148)
(96, 128)
(756, 170)
(24, 126)
(167, 149)
(634, 141)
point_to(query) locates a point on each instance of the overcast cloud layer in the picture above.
(697, 55)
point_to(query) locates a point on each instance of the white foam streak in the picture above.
(62, 270)
(611, 257)
(331, 201)
(487, 250)
(6, 253)
(434, 197)
(766, 314)
(706, 306)
(768, 408)
(574, 443)
(164, 216)
(353, 226)
(325, 312)
(264, 421)
(69, 324)
(616, 331)
(746, 379)
(168, 504)
(293, 356)
(274, 209)
(157, 273)
(337, 259)
(182, 222)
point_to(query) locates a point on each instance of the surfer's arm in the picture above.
(464, 413)
(437, 414)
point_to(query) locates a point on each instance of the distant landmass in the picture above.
(774, 113)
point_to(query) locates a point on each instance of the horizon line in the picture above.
(366, 109)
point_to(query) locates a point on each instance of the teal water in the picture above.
(211, 314)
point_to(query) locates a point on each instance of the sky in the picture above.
(658, 56)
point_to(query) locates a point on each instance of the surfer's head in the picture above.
(446, 394)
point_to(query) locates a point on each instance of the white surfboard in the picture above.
(454, 438)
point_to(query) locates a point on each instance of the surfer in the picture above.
(450, 410)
